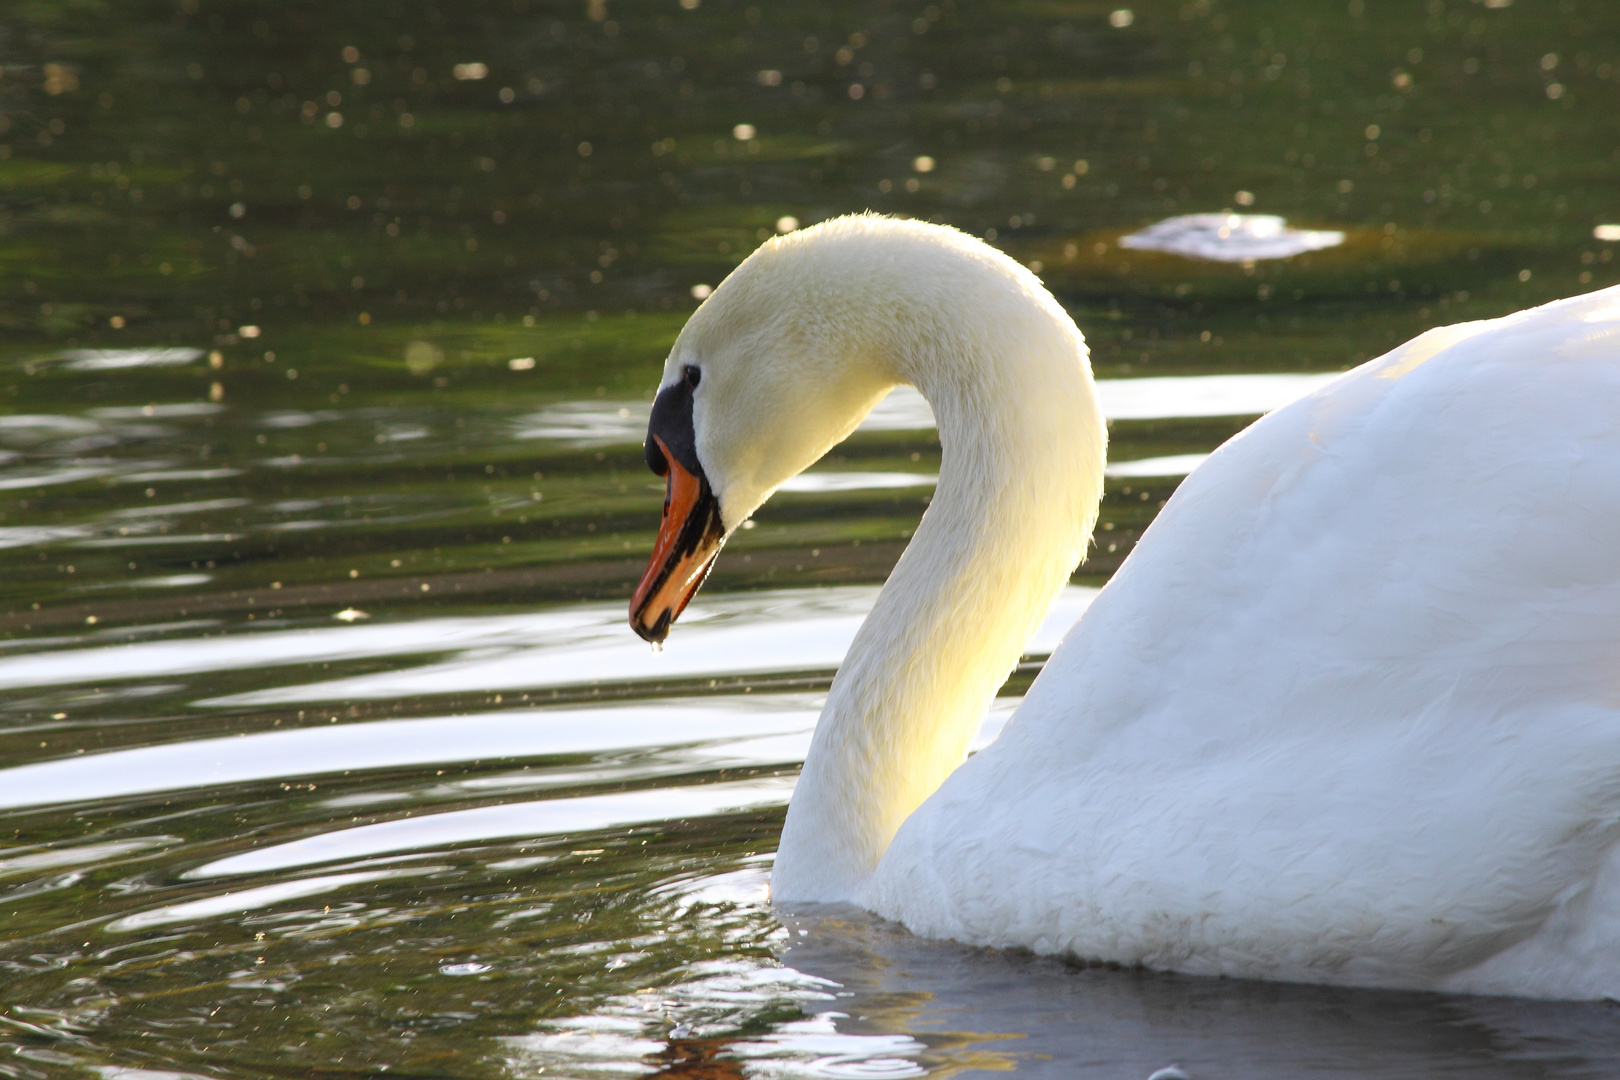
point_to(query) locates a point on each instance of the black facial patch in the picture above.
(671, 421)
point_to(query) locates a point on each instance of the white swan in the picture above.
(1350, 713)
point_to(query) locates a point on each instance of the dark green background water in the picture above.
(355, 244)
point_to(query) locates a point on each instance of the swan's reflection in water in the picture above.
(866, 999)
(734, 1017)
(1048, 1018)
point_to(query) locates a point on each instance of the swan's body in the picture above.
(1349, 713)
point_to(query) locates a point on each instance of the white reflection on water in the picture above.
(587, 423)
(750, 885)
(741, 727)
(48, 476)
(164, 476)
(585, 1045)
(170, 540)
(51, 858)
(117, 359)
(171, 411)
(751, 633)
(30, 427)
(602, 423)
(549, 817)
(1204, 395)
(72, 449)
(702, 733)
(1230, 237)
(266, 649)
(815, 1048)
(903, 410)
(166, 581)
(298, 418)
(825, 482)
(698, 1018)
(26, 535)
(244, 900)
(1173, 465)
(119, 1072)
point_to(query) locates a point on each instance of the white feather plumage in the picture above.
(1350, 712)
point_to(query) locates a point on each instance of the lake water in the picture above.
(329, 334)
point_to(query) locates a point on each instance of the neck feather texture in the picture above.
(1023, 448)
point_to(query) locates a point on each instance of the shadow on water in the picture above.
(329, 331)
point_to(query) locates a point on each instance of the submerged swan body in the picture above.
(1350, 712)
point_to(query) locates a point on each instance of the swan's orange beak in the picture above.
(689, 538)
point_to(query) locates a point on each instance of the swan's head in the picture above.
(765, 377)
(787, 356)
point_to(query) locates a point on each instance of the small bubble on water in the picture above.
(470, 968)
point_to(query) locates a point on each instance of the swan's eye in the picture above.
(692, 375)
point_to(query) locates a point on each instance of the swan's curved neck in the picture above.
(1020, 481)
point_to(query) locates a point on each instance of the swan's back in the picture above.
(1350, 712)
